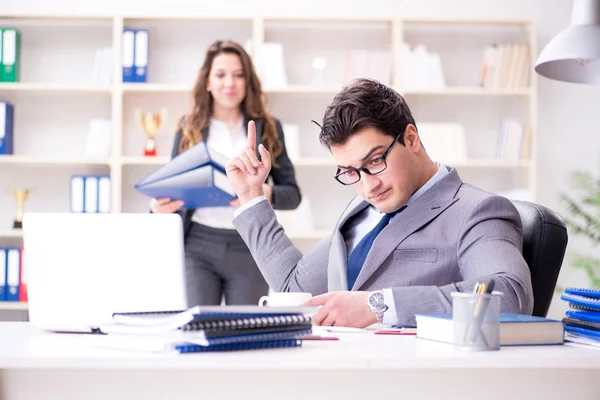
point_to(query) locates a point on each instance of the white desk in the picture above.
(38, 365)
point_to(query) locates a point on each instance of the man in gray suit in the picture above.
(414, 234)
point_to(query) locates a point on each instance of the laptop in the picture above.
(82, 268)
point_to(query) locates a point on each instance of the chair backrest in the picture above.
(544, 245)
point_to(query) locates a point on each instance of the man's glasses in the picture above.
(372, 167)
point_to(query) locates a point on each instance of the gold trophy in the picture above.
(151, 123)
(20, 196)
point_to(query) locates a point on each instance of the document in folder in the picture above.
(196, 176)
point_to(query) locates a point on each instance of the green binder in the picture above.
(10, 55)
(1, 63)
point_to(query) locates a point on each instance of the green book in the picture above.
(1, 63)
(10, 55)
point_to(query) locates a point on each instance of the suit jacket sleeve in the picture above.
(281, 263)
(286, 193)
(489, 246)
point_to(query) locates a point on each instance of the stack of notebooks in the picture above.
(582, 322)
(205, 329)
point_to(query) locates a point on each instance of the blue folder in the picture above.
(196, 176)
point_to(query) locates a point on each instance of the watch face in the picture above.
(376, 300)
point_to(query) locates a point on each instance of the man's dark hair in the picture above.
(364, 103)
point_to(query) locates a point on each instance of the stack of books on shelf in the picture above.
(207, 329)
(9, 55)
(514, 140)
(505, 66)
(582, 322)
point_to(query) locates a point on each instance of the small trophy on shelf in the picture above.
(20, 196)
(151, 123)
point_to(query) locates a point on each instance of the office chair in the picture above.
(544, 245)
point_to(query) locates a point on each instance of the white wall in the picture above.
(567, 137)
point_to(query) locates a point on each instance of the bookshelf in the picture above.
(56, 98)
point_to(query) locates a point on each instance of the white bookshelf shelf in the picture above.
(13, 305)
(155, 88)
(11, 233)
(55, 87)
(144, 160)
(36, 160)
(470, 91)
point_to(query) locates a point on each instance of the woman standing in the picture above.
(227, 95)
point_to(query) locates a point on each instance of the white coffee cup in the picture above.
(284, 299)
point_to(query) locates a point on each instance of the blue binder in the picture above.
(3, 273)
(196, 176)
(582, 302)
(6, 128)
(141, 56)
(13, 274)
(128, 55)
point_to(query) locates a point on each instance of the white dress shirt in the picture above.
(229, 144)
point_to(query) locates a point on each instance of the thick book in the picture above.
(196, 176)
(515, 329)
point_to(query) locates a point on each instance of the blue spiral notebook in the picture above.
(187, 348)
(582, 299)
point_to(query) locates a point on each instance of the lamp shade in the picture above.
(574, 54)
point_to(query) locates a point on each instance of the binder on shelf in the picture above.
(3, 263)
(141, 56)
(13, 271)
(196, 176)
(77, 194)
(128, 54)
(91, 194)
(6, 128)
(104, 194)
(23, 297)
(10, 55)
(1, 62)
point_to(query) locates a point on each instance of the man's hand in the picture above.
(267, 189)
(342, 309)
(245, 173)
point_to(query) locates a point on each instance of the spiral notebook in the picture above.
(214, 321)
(582, 299)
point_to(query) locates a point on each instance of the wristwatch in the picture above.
(376, 303)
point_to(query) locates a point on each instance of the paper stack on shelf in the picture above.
(98, 140)
(103, 66)
(421, 70)
(444, 142)
(374, 64)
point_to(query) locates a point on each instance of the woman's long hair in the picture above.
(252, 106)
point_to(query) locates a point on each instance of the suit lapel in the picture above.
(426, 208)
(337, 277)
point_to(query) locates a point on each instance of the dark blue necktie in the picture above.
(359, 254)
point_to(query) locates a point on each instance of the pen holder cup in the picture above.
(476, 321)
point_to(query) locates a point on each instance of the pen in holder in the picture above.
(476, 320)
